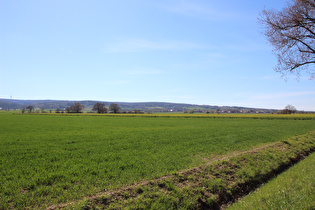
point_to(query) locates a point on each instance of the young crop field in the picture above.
(51, 159)
(294, 189)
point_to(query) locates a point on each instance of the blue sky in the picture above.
(185, 51)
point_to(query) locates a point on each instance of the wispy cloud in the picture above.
(175, 98)
(139, 72)
(284, 95)
(248, 46)
(201, 10)
(139, 45)
(117, 82)
(214, 57)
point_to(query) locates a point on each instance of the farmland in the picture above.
(51, 159)
(294, 189)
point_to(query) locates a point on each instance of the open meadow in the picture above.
(51, 159)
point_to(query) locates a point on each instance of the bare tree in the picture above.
(114, 108)
(100, 108)
(292, 34)
(137, 111)
(30, 108)
(290, 109)
(68, 109)
(76, 107)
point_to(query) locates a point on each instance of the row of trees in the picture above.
(28, 108)
(78, 108)
(115, 108)
(31, 108)
(98, 107)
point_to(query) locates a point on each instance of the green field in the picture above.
(51, 159)
(294, 189)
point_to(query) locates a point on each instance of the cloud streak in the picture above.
(140, 45)
(248, 46)
(117, 82)
(284, 95)
(199, 10)
(141, 72)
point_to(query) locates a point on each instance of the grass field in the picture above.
(213, 185)
(294, 189)
(50, 159)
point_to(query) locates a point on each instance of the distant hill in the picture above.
(9, 104)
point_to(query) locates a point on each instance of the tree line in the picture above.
(115, 108)
(78, 108)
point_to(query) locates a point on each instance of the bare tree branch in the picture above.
(302, 64)
(291, 32)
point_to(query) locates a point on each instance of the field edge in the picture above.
(216, 184)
